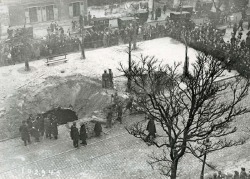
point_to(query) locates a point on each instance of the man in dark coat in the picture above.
(41, 125)
(243, 174)
(98, 129)
(235, 29)
(164, 8)
(54, 128)
(241, 24)
(119, 112)
(105, 79)
(109, 117)
(248, 20)
(29, 121)
(248, 40)
(25, 136)
(47, 127)
(35, 130)
(129, 105)
(111, 77)
(74, 134)
(151, 129)
(83, 134)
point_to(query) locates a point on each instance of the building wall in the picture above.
(36, 11)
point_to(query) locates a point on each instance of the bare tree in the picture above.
(189, 110)
(82, 34)
(132, 31)
(23, 41)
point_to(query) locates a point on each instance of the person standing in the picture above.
(235, 29)
(243, 174)
(25, 136)
(164, 8)
(74, 134)
(241, 24)
(248, 21)
(41, 125)
(83, 134)
(98, 129)
(47, 127)
(111, 77)
(35, 130)
(236, 175)
(109, 117)
(248, 40)
(129, 105)
(119, 112)
(151, 129)
(105, 79)
(54, 127)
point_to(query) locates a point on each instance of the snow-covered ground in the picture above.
(168, 50)
(165, 49)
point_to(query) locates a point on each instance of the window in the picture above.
(33, 14)
(76, 9)
(50, 12)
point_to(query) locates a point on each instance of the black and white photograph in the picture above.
(124, 89)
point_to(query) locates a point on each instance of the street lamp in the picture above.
(153, 10)
(206, 144)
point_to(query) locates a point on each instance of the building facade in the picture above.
(36, 11)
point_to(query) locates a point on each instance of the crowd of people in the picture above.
(205, 38)
(38, 127)
(237, 175)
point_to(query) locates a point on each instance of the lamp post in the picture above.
(131, 35)
(82, 34)
(153, 10)
(207, 145)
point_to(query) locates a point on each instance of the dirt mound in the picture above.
(84, 94)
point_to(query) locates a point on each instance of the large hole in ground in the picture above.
(63, 116)
(84, 94)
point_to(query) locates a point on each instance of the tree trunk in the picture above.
(26, 62)
(129, 66)
(82, 45)
(203, 166)
(27, 67)
(83, 51)
(153, 11)
(134, 44)
(174, 169)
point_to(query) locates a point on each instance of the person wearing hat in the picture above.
(248, 20)
(54, 127)
(233, 39)
(235, 28)
(111, 77)
(248, 40)
(74, 134)
(243, 174)
(151, 128)
(83, 134)
(241, 24)
(236, 175)
(119, 109)
(239, 35)
(109, 116)
(98, 129)
(25, 136)
(47, 127)
(105, 79)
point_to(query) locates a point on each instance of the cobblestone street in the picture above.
(113, 155)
